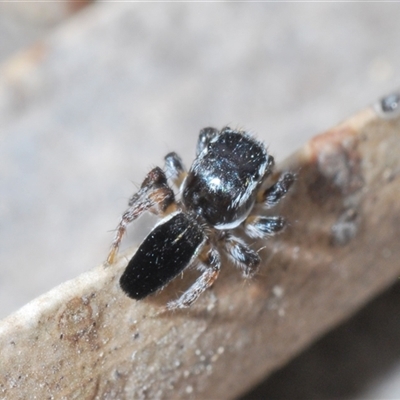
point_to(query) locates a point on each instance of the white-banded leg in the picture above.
(242, 255)
(272, 195)
(154, 195)
(210, 265)
(258, 227)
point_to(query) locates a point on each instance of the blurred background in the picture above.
(93, 95)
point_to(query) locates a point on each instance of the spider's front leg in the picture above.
(272, 195)
(211, 265)
(154, 195)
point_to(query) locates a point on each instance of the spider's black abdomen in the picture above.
(166, 252)
(222, 182)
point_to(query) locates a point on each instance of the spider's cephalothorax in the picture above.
(218, 195)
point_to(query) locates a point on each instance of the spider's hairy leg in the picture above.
(211, 265)
(242, 255)
(174, 169)
(272, 195)
(257, 226)
(154, 196)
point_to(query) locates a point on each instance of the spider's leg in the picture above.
(174, 169)
(205, 136)
(272, 195)
(154, 195)
(211, 264)
(257, 226)
(242, 255)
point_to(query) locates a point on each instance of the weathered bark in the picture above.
(86, 339)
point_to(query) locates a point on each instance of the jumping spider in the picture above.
(218, 195)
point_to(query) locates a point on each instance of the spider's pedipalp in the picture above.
(205, 137)
(174, 169)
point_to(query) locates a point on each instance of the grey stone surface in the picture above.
(109, 92)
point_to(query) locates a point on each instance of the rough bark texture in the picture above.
(85, 339)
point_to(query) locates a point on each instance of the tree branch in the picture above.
(86, 339)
